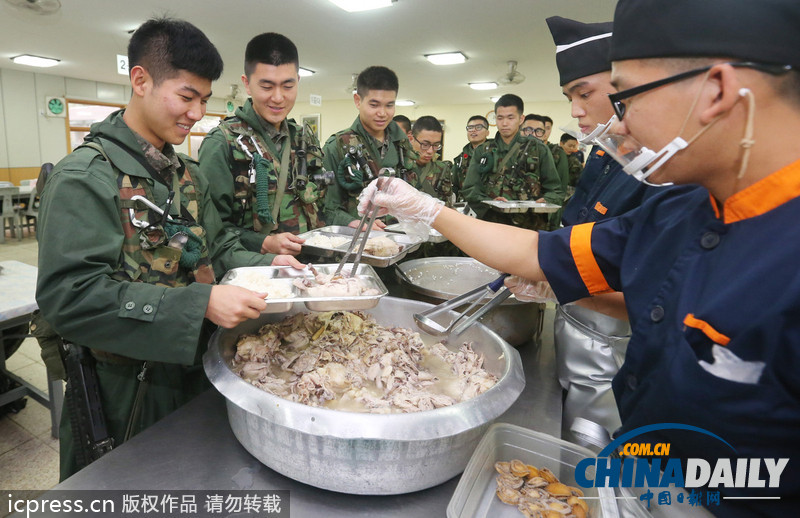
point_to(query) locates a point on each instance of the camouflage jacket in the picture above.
(462, 161)
(575, 169)
(561, 161)
(226, 159)
(94, 285)
(439, 179)
(340, 204)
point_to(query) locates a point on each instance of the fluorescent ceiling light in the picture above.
(494, 98)
(447, 58)
(35, 61)
(405, 102)
(304, 72)
(352, 6)
(483, 86)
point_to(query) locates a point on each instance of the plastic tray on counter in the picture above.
(511, 207)
(407, 245)
(475, 497)
(434, 236)
(286, 275)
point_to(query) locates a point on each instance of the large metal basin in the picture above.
(437, 279)
(366, 454)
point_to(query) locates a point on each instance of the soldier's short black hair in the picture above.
(165, 46)
(481, 118)
(426, 123)
(510, 100)
(547, 119)
(540, 118)
(269, 48)
(403, 121)
(376, 78)
(566, 137)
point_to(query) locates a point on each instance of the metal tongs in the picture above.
(462, 322)
(370, 214)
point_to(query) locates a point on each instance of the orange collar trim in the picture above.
(766, 194)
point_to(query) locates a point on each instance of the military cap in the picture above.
(763, 31)
(581, 48)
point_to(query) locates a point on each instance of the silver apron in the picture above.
(590, 348)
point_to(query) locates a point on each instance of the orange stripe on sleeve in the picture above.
(580, 243)
(705, 327)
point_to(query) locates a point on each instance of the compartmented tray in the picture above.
(475, 497)
(434, 236)
(522, 206)
(345, 234)
(283, 277)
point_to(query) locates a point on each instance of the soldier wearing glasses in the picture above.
(512, 167)
(477, 133)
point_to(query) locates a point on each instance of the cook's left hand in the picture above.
(287, 260)
(530, 291)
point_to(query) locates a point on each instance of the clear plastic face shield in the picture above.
(587, 138)
(636, 159)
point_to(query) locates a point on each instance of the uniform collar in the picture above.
(766, 194)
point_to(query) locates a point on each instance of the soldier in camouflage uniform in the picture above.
(252, 157)
(570, 146)
(114, 275)
(477, 134)
(512, 167)
(534, 125)
(374, 141)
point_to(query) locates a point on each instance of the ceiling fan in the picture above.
(512, 77)
(42, 7)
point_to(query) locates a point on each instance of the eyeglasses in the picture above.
(538, 132)
(619, 106)
(476, 127)
(427, 145)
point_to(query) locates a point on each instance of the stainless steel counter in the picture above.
(194, 448)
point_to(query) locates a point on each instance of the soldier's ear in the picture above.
(140, 80)
(357, 100)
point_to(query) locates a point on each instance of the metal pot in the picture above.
(366, 454)
(437, 279)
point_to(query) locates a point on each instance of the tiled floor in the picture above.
(28, 454)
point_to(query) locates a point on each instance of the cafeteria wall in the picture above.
(28, 138)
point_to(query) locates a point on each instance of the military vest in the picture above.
(514, 176)
(439, 179)
(298, 209)
(146, 256)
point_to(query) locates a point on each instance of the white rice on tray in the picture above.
(323, 241)
(259, 282)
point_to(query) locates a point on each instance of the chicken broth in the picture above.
(346, 361)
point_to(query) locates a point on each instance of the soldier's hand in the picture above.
(229, 306)
(287, 260)
(500, 198)
(376, 225)
(541, 200)
(283, 243)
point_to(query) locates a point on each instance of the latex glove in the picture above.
(401, 200)
(530, 291)
(283, 243)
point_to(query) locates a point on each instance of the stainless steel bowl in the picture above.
(366, 454)
(437, 279)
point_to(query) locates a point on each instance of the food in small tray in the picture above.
(323, 241)
(381, 247)
(257, 281)
(346, 361)
(329, 285)
(537, 492)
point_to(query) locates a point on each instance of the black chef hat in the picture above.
(763, 31)
(581, 48)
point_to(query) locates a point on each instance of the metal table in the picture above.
(18, 286)
(194, 448)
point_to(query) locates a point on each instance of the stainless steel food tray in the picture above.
(522, 206)
(474, 496)
(287, 274)
(407, 244)
(434, 236)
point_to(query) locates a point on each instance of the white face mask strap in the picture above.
(747, 141)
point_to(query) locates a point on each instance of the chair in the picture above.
(29, 215)
(9, 211)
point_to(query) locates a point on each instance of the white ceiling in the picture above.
(86, 35)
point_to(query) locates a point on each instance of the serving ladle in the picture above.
(462, 321)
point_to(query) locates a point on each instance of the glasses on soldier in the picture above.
(427, 145)
(476, 127)
(619, 106)
(539, 132)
